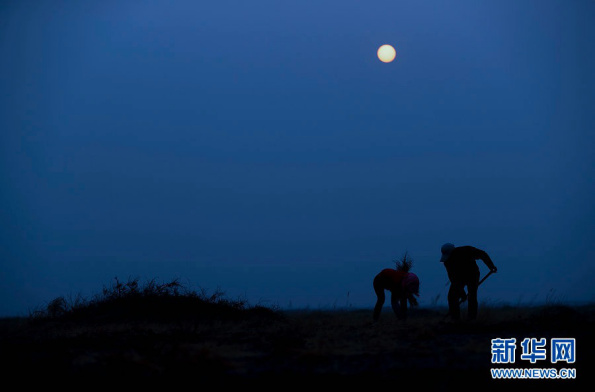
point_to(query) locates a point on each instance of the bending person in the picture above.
(463, 271)
(404, 286)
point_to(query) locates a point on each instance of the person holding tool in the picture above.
(463, 271)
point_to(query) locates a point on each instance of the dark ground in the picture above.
(258, 345)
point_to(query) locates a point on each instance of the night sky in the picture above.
(262, 147)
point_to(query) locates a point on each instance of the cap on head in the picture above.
(446, 249)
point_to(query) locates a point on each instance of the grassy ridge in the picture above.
(164, 331)
(129, 301)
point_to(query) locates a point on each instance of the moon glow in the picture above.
(386, 53)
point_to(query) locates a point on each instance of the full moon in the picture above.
(386, 53)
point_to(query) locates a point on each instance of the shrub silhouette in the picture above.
(151, 301)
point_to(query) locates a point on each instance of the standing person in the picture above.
(403, 285)
(463, 271)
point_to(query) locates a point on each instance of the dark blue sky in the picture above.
(262, 147)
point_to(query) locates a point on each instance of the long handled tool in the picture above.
(479, 284)
(465, 298)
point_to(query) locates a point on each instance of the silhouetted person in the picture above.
(402, 285)
(463, 271)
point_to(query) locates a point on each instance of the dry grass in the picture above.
(261, 345)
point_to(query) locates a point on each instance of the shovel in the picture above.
(465, 299)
